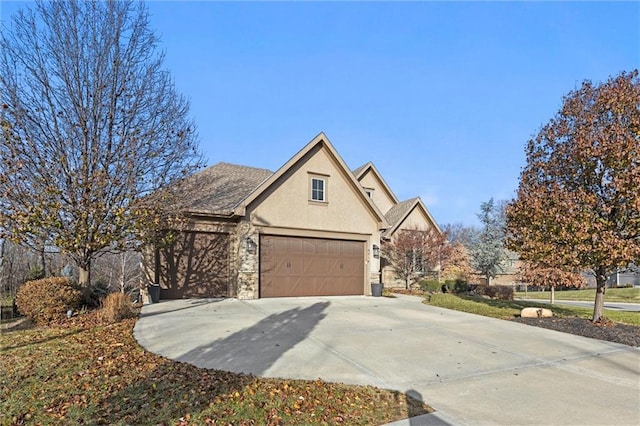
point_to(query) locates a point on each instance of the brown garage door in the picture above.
(295, 266)
(195, 266)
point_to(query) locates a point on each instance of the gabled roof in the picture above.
(362, 170)
(218, 189)
(319, 142)
(358, 172)
(398, 213)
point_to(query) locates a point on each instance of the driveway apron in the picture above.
(473, 370)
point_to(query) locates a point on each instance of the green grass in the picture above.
(6, 308)
(510, 309)
(628, 295)
(94, 374)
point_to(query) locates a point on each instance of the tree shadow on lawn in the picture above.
(169, 391)
(8, 347)
(174, 390)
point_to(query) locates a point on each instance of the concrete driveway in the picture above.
(473, 370)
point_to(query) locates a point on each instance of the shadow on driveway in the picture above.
(193, 303)
(256, 348)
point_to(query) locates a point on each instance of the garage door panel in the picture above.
(296, 266)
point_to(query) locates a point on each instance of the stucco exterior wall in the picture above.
(286, 208)
(288, 204)
(416, 219)
(379, 195)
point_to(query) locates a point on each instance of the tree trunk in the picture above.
(2, 240)
(553, 295)
(43, 262)
(84, 275)
(601, 285)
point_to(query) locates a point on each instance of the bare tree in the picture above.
(19, 263)
(119, 271)
(414, 252)
(91, 125)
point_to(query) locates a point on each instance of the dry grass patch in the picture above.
(116, 307)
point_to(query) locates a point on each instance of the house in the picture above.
(509, 272)
(408, 215)
(312, 228)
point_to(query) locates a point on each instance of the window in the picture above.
(318, 189)
(369, 192)
(416, 261)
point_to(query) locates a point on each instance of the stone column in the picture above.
(248, 243)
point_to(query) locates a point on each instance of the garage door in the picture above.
(195, 266)
(295, 266)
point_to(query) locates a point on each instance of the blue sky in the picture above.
(442, 97)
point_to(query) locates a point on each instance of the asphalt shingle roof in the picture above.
(218, 189)
(398, 211)
(357, 171)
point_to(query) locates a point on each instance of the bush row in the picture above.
(433, 286)
(500, 292)
(50, 299)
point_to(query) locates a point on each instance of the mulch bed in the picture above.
(606, 330)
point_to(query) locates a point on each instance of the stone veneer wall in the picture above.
(247, 262)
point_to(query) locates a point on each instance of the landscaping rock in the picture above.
(535, 313)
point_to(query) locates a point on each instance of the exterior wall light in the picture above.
(250, 245)
(376, 251)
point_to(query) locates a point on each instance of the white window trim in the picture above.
(320, 193)
(325, 188)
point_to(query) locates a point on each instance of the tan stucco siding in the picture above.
(416, 219)
(379, 195)
(288, 203)
(286, 208)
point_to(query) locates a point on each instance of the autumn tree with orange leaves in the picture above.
(541, 276)
(455, 261)
(578, 202)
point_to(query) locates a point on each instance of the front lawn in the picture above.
(511, 309)
(626, 295)
(97, 374)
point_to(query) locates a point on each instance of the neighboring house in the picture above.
(623, 277)
(509, 274)
(312, 228)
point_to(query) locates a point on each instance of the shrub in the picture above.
(460, 286)
(97, 291)
(47, 299)
(35, 273)
(500, 292)
(116, 307)
(429, 285)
